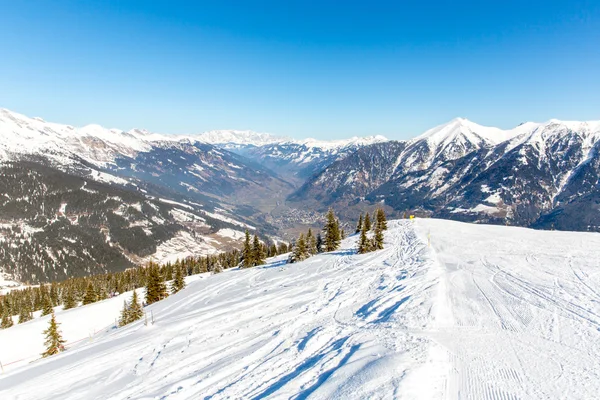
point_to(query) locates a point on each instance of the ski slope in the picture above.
(485, 312)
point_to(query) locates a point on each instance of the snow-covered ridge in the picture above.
(462, 129)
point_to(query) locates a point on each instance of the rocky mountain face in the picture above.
(538, 175)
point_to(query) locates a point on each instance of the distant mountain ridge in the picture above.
(538, 174)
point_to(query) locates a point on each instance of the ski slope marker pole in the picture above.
(1, 366)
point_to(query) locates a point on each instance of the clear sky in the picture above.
(325, 69)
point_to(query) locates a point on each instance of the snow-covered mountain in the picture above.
(483, 312)
(233, 138)
(538, 174)
(297, 160)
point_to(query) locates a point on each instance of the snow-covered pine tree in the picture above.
(247, 256)
(332, 232)
(6, 322)
(381, 219)
(54, 342)
(90, 295)
(178, 282)
(367, 223)
(360, 224)
(258, 251)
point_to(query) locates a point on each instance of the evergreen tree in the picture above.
(124, 319)
(342, 233)
(135, 308)
(47, 305)
(25, 314)
(381, 219)
(247, 256)
(69, 301)
(156, 289)
(300, 250)
(178, 282)
(378, 238)
(319, 243)
(311, 243)
(90, 294)
(332, 232)
(360, 224)
(367, 223)
(54, 341)
(7, 321)
(364, 246)
(258, 252)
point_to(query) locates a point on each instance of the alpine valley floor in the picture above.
(485, 312)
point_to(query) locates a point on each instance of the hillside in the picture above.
(485, 312)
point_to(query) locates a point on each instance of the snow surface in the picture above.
(486, 312)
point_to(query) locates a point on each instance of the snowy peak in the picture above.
(462, 129)
(229, 136)
(333, 144)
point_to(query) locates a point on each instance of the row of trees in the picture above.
(86, 290)
(367, 242)
(308, 245)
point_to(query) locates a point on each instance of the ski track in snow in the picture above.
(486, 312)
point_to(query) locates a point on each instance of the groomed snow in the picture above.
(486, 312)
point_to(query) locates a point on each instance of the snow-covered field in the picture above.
(486, 312)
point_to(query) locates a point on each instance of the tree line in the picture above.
(86, 290)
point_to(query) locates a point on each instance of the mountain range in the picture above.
(76, 201)
(542, 175)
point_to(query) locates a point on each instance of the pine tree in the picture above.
(300, 250)
(124, 319)
(332, 232)
(378, 237)
(135, 308)
(342, 233)
(367, 223)
(25, 314)
(178, 282)
(360, 224)
(258, 252)
(47, 305)
(364, 245)
(381, 219)
(311, 243)
(90, 295)
(247, 256)
(54, 341)
(7, 321)
(69, 301)
(156, 289)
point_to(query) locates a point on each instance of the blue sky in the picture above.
(325, 69)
